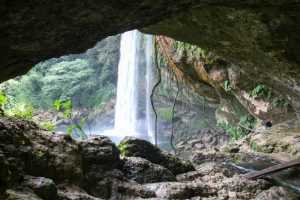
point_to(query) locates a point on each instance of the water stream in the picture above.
(127, 88)
(134, 89)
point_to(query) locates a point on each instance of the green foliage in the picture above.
(88, 79)
(75, 129)
(278, 102)
(24, 112)
(165, 113)
(248, 121)
(3, 99)
(122, 146)
(189, 48)
(259, 91)
(48, 126)
(227, 86)
(235, 132)
(253, 145)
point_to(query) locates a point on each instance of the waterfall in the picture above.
(149, 85)
(130, 82)
(127, 87)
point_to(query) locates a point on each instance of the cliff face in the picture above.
(258, 46)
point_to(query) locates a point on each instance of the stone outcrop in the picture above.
(143, 171)
(37, 165)
(43, 187)
(144, 149)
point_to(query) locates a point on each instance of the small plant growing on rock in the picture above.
(235, 132)
(248, 121)
(48, 126)
(3, 101)
(278, 102)
(258, 91)
(25, 112)
(122, 147)
(253, 145)
(66, 110)
(227, 86)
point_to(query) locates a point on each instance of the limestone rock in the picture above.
(134, 147)
(143, 171)
(21, 194)
(173, 190)
(99, 182)
(276, 193)
(131, 190)
(99, 150)
(43, 187)
(74, 193)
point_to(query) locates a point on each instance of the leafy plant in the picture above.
(248, 121)
(227, 86)
(75, 128)
(259, 91)
(3, 101)
(278, 102)
(192, 49)
(25, 112)
(165, 113)
(253, 145)
(234, 131)
(48, 126)
(122, 146)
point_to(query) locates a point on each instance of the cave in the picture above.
(149, 99)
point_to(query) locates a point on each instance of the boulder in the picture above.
(99, 181)
(52, 155)
(173, 190)
(74, 193)
(143, 171)
(45, 188)
(134, 147)
(4, 174)
(21, 194)
(131, 190)
(99, 150)
(276, 193)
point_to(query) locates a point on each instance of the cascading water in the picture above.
(149, 85)
(128, 87)
(127, 91)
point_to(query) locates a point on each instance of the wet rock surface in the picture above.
(45, 188)
(143, 171)
(252, 49)
(141, 148)
(93, 170)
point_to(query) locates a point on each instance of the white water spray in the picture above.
(149, 85)
(127, 88)
(126, 122)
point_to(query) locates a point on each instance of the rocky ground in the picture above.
(36, 164)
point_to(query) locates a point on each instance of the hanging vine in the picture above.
(172, 118)
(154, 88)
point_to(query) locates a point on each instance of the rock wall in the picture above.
(256, 45)
(33, 31)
